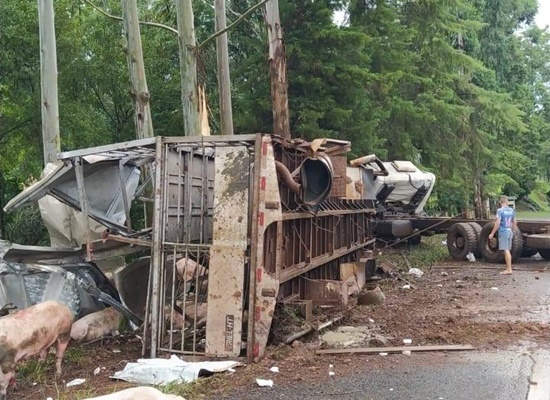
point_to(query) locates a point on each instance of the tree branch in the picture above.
(233, 24)
(100, 10)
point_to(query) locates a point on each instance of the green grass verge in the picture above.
(429, 252)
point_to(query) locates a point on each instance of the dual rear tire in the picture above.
(469, 237)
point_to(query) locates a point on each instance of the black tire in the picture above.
(477, 230)
(415, 240)
(528, 252)
(489, 249)
(461, 240)
(544, 253)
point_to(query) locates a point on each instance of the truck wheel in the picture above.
(477, 230)
(489, 248)
(545, 253)
(461, 240)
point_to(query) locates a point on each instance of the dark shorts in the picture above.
(505, 239)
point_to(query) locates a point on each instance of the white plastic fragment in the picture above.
(407, 341)
(406, 286)
(264, 382)
(231, 370)
(406, 352)
(439, 285)
(371, 320)
(416, 272)
(116, 351)
(76, 382)
(97, 371)
(444, 273)
(49, 398)
(494, 288)
(444, 242)
(331, 370)
(391, 389)
(470, 257)
(383, 354)
(274, 369)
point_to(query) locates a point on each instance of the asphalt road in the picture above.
(517, 374)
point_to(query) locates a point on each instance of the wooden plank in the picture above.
(372, 350)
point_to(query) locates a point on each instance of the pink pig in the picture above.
(33, 331)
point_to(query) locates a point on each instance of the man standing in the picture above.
(505, 223)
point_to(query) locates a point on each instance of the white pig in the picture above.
(141, 393)
(33, 331)
(96, 325)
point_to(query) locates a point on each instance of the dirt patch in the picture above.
(453, 303)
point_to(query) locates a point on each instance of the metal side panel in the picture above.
(264, 286)
(228, 252)
(39, 189)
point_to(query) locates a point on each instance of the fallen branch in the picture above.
(156, 24)
(233, 24)
(371, 350)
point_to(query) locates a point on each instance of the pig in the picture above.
(141, 393)
(96, 325)
(186, 270)
(33, 331)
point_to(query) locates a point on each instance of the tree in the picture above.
(48, 69)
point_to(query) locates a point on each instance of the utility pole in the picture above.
(224, 81)
(277, 70)
(188, 68)
(48, 82)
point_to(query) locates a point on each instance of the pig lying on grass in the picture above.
(96, 325)
(141, 393)
(33, 331)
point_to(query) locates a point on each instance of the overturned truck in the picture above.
(238, 224)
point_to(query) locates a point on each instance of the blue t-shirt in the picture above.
(506, 215)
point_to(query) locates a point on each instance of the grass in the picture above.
(538, 215)
(429, 252)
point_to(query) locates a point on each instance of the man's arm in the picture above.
(495, 228)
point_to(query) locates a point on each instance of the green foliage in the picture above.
(460, 87)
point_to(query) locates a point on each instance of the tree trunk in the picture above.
(138, 81)
(277, 70)
(188, 68)
(139, 90)
(48, 79)
(224, 82)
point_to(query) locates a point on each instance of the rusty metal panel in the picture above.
(264, 284)
(339, 165)
(228, 251)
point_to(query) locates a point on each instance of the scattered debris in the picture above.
(470, 257)
(331, 370)
(407, 341)
(406, 286)
(373, 296)
(373, 350)
(97, 371)
(354, 336)
(494, 288)
(382, 354)
(160, 371)
(416, 272)
(76, 382)
(406, 352)
(291, 338)
(274, 369)
(264, 382)
(444, 273)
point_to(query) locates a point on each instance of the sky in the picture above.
(543, 17)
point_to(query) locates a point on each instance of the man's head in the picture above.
(504, 200)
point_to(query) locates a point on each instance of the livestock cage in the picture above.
(237, 225)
